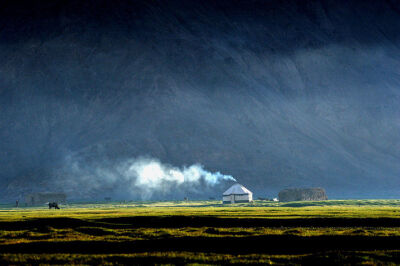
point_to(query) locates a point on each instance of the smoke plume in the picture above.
(141, 177)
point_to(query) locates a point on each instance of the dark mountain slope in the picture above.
(275, 93)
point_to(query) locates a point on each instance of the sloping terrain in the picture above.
(275, 93)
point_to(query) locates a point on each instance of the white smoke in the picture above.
(141, 177)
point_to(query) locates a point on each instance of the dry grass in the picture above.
(327, 258)
(104, 225)
(116, 235)
(258, 209)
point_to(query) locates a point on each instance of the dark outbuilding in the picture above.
(302, 194)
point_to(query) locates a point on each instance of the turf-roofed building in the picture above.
(236, 194)
(45, 197)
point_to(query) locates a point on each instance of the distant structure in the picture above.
(53, 205)
(236, 194)
(302, 194)
(44, 197)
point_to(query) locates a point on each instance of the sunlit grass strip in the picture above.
(85, 233)
(240, 212)
(259, 209)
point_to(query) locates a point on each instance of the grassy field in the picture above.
(335, 231)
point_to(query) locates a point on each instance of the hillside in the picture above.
(275, 93)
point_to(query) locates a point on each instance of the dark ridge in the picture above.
(45, 20)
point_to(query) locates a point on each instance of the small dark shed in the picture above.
(44, 197)
(302, 194)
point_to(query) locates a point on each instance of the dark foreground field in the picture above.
(330, 233)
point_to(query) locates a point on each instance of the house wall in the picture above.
(226, 198)
(237, 198)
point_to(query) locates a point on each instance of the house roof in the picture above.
(237, 189)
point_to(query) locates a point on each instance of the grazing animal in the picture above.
(53, 205)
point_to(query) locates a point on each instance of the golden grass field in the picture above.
(260, 209)
(335, 231)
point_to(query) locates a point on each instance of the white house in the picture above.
(236, 194)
